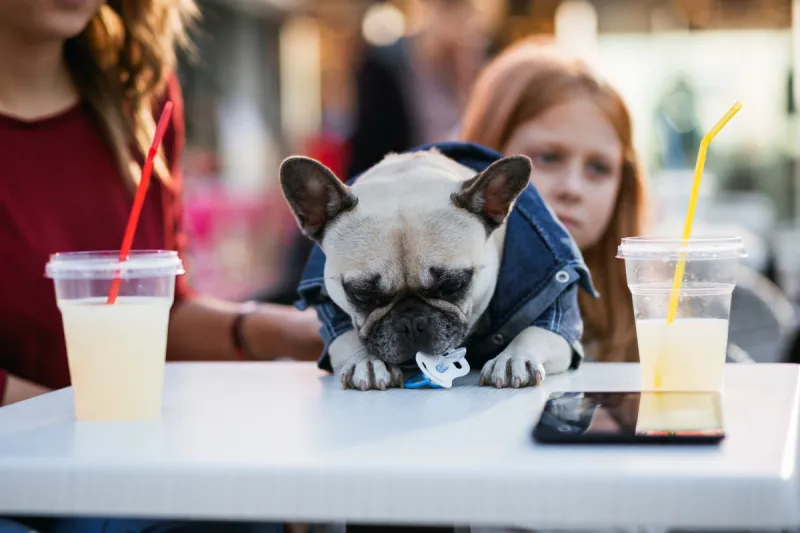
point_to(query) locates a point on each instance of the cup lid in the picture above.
(695, 248)
(106, 265)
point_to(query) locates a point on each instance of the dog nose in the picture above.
(411, 327)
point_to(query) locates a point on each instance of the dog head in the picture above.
(409, 248)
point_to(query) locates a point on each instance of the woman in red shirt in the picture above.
(81, 85)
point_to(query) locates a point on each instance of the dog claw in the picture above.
(396, 378)
(536, 372)
(518, 372)
(367, 375)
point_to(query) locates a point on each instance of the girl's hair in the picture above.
(520, 84)
(120, 64)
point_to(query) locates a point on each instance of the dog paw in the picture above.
(370, 374)
(512, 370)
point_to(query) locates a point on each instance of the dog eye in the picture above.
(451, 287)
(366, 298)
(363, 298)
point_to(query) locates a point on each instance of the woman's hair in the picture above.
(522, 83)
(121, 63)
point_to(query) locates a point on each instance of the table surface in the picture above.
(284, 441)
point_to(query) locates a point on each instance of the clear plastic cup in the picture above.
(116, 352)
(688, 354)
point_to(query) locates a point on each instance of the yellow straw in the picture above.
(687, 228)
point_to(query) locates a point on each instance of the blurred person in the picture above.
(576, 129)
(412, 92)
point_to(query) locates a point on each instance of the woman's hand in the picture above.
(18, 389)
(273, 332)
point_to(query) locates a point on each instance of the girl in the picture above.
(577, 131)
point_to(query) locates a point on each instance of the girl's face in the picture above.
(577, 159)
(38, 20)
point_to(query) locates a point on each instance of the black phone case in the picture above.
(544, 436)
(547, 434)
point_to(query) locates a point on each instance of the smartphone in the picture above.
(631, 418)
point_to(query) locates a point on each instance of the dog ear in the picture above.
(491, 193)
(314, 193)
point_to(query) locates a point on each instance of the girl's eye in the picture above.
(599, 169)
(546, 157)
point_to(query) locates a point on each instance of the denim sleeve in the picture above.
(312, 293)
(564, 318)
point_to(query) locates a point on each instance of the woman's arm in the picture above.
(200, 330)
(18, 389)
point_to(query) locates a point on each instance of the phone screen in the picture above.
(631, 417)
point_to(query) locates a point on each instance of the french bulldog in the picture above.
(412, 254)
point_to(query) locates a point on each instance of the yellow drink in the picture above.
(116, 355)
(116, 352)
(689, 353)
(697, 263)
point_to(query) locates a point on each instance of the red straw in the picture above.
(138, 201)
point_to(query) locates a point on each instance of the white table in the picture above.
(283, 441)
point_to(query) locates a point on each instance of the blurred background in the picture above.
(271, 78)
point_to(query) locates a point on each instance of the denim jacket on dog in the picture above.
(537, 284)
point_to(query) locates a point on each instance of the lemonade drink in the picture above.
(695, 348)
(116, 352)
(689, 353)
(116, 356)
